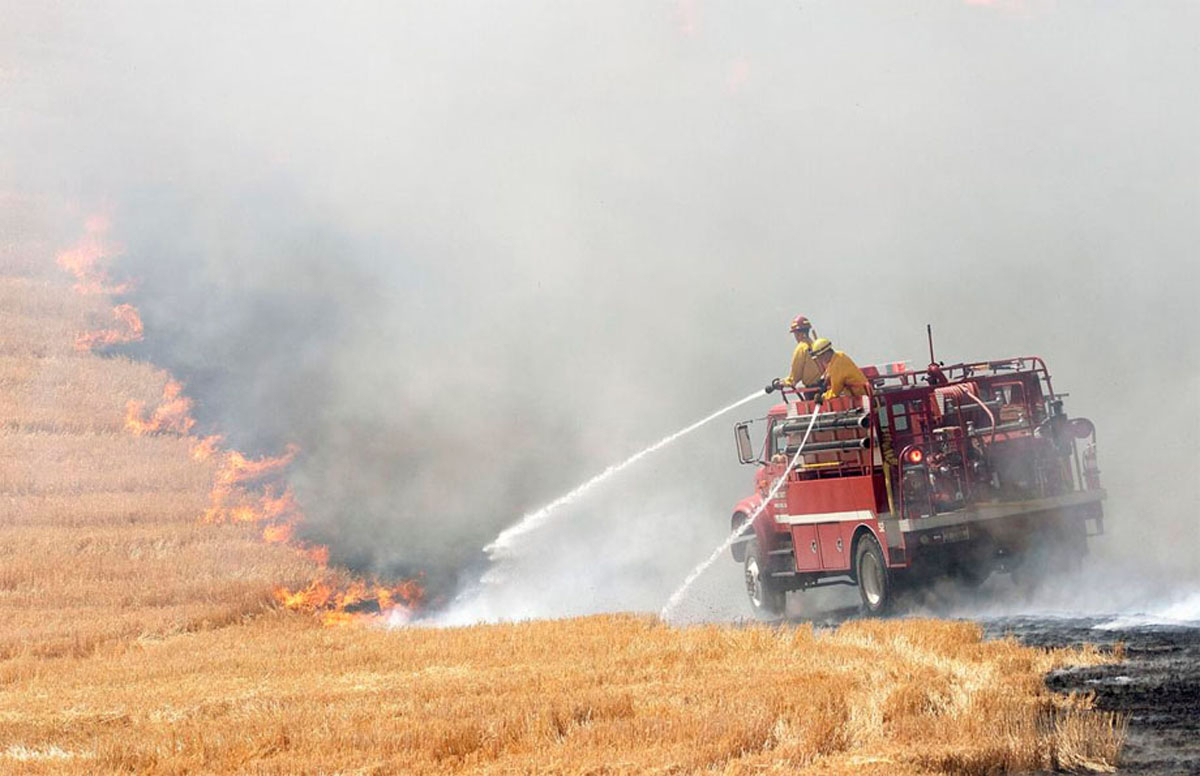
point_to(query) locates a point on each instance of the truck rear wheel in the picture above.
(767, 598)
(875, 584)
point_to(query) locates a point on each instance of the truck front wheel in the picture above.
(874, 583)
(767, 598)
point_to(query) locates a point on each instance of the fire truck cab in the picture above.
(956, 471)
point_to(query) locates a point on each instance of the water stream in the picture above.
(676, 597)
(498, 592)
(506, 541)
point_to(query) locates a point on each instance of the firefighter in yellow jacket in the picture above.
(841, 374)
(804, 370)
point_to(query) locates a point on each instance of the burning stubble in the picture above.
(464, 271)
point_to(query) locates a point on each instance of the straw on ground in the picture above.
(135, 639)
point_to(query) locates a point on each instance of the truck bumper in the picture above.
(982, 512)
(1007, 522)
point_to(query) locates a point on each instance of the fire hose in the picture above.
(969, 391)
(677, 596)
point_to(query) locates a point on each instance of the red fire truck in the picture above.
(957, 471)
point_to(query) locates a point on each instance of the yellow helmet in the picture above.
(820, 346)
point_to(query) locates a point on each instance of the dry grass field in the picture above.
(611, 694)
(137, 636)
(99, 537)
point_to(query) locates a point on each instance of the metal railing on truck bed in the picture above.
(978, 432)
(946, 437)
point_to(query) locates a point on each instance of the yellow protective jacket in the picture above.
(804, 370)
(844, 377)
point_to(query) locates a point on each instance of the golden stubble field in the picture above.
(134, 638)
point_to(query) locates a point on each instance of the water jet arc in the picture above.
(507, 538)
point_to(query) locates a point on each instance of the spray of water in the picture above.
(673, 602)
(1183, 612)
(505, 542)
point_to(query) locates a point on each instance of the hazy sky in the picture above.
(469, 253)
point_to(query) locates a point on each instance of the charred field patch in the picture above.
(1157, 684)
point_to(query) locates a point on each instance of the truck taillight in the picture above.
(915, 455)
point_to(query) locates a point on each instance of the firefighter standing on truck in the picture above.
(804, 370)
(840, 373)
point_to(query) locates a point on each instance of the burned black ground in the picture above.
(1158, 684)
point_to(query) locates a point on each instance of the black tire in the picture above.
(767, 598)
(875, 583)
(738, 550)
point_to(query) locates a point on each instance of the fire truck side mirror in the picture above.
(741, 433)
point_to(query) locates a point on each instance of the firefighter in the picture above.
(804, 370)
(839, 372)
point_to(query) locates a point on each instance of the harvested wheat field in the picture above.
(147, 627)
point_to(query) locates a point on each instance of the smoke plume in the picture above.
(468, 255)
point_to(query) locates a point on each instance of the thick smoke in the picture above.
(468, 255)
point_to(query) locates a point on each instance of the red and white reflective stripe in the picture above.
(826, 517)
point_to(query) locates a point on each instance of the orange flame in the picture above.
(237, 468)
(316, 595)
(85, 259)
(283, 506)
(130, 330)
(203, 449)
(277, 533)
(233, 498)
(173, 413)
(317, 553)
(228, 497)
(341, 602)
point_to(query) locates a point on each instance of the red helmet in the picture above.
(800, 323)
